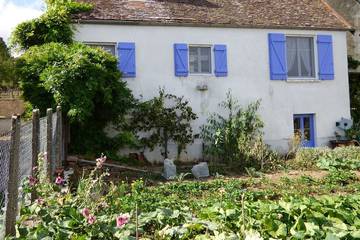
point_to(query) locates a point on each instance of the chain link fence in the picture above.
(19, 150)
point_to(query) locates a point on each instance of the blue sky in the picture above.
(12, 12)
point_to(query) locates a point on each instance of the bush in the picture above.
(326, 158)
(236, 138)
(85, 81)
(53, 26)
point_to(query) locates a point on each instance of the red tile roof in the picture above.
(299, 14)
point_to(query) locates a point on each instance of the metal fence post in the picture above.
(35, 144)
(59, 143)
(13, 182)
(49, 143)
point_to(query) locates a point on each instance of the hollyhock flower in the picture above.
(91, 219)
(59, 180)
(122, 220)
(40, 201)
(100, 161)
(32, 181)
(85, 212)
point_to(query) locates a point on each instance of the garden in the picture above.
(314, 196)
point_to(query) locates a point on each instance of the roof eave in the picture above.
(223, 25)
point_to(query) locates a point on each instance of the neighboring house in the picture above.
(291, 54)
(350, 9)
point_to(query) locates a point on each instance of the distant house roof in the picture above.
(293, 14)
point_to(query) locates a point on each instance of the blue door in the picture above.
(304, 128)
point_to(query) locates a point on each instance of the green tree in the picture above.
(85, 81)
(52, 26)
(162, 119)
(8, 78)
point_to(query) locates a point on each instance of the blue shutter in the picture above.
(181, 57)
(325, 57)
(277, 56)
(126, 61)
(220, 56)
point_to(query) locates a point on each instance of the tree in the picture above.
(162, 119)
(52, 26)
(85, 81)
(8, 78)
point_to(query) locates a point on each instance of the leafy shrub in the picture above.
(53, 26)
(339, 177)
(307, 158)
(236, 138)
(162, 119)
(326, 158)
(85, 81)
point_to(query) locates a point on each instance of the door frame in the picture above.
(311, 116)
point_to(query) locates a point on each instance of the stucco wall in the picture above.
(248, 77)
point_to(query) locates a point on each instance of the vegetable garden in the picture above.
(304, 206)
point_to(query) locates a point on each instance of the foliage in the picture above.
(347, 158)
(53, 26)
(354, 84)
(85, 82)
(218, 209)
(8, 78)
(163, 119)
(353, 63)
(354, 132)
(236, 137)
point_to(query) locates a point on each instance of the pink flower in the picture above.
(122, 220)
(40, 201)
(100, 161)
(91, 219)
(85, 212)
(32, 181)
(59, 180)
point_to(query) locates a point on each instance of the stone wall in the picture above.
(10, 104)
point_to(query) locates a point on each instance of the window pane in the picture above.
(292, 57)
(306, 57)
(193, 60)
(300, 56)
(205, 53)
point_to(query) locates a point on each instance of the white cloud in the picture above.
(12, 14)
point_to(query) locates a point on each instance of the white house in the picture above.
(291, 54)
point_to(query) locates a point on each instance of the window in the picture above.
(304, 129)
(300, 57)
(110, 48)
(200, 59)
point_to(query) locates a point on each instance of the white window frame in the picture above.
(211, 59)
(304, 79)
(103, 44)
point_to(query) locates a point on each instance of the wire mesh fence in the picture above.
(19, 150)
(5, 144)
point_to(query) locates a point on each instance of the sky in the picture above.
(13, 12)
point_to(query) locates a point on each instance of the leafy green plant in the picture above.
(163, 119)
(339, 177)
(236, 138)
(53, 26)
(85, 82)
(8, 77)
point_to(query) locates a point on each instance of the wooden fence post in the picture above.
(35, 145)
(49, 144)
(13, 182)
(59, 148)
